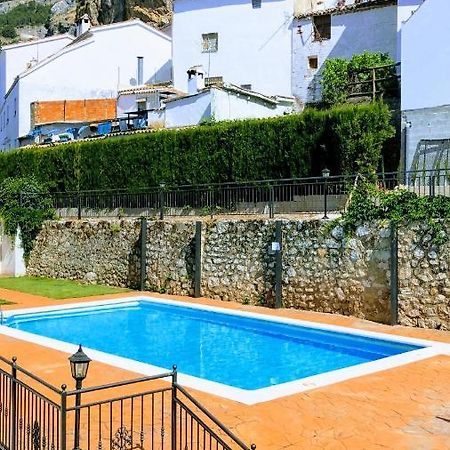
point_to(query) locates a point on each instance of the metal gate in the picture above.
(146, 413)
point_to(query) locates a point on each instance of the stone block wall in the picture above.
(94, 251)
(237, 265)
(322, 270)
(326, 272)
(424, 279)
(170, 257)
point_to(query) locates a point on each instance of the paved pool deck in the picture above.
(407, 407)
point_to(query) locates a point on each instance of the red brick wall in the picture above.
(92, 110)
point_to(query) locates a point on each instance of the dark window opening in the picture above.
(322, 27)
(256, 3)
(313, 62)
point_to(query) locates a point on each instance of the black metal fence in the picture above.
(144, 413)
(296, 195)
(30, 415)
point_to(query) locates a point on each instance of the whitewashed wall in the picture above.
(405, 10)
(426, 57)
(221, 105)
(254, 44)
(95, 68)
(9, 120)
(228, 106)
(188, 111)
(351, 33)
(126, 103)
(15, 58)
(425, 74)
(12, 260)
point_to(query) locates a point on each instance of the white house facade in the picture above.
(243, 42)
(166, 107)
(426, 88)
(219, 103)
(97, 64)
(336, 29)
(17, 58)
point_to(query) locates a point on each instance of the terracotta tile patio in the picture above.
(401, 408)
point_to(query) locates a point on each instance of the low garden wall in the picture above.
(322, 270)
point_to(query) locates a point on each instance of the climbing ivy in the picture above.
(370, 203)
(338, 73)
(24, 203)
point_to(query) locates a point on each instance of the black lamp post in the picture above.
(162, 187)
(325, 175)
(79, 365)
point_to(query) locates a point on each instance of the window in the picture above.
(210, 42)
(313, 62)
(246, 86)
(256, 3)
(213, 81)
(322, 27)
(141, 104)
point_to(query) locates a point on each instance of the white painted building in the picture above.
(97, 64)
(170, 108)
(341, 29)
(243, 42)
(425, 87)
(227, 102)
(17, 58)
(143, 98)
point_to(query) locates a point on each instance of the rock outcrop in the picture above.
(64, 13)
(156, 12)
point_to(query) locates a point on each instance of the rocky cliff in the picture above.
(156, 12)
(63, 13)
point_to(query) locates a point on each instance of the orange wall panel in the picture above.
(89, 110)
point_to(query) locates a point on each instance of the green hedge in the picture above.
(284, 147)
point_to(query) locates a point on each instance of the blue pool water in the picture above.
(238, 351)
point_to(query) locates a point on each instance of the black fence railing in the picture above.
(144, 413)
(296, 195)
(30, 415)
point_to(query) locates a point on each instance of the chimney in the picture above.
(83, 25)
(196, 79)
(140, 70)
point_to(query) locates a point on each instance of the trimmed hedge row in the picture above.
(284, 147)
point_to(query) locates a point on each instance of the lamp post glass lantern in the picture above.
(79, 365)
(325, 175)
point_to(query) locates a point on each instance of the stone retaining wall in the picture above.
(424, 279)
(322, 270)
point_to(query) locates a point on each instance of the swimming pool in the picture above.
(239, 352)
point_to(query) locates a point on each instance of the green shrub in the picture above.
(335, 81)
(27, 14)
(24, 204)
(361, 133)
(370, 203)
(338, 73)
(246, 150)
(8, 32)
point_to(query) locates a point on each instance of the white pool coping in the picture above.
(248, 397)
